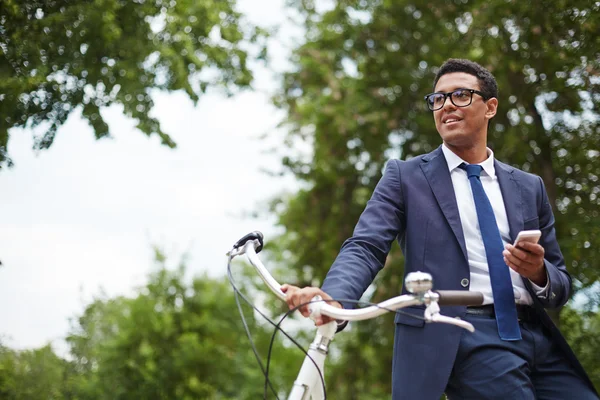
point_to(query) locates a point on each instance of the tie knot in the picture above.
(472, 169)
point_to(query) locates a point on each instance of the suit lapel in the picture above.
(436, 171)
(511, 194)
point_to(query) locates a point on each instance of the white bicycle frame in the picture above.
(308, 385)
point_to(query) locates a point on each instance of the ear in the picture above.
(492, 107)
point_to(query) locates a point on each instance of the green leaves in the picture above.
(172, 340)
(57, 56)
(582, 330)
(33, 374)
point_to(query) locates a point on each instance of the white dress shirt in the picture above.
(480, 275)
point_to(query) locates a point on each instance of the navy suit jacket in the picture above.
(414, 202)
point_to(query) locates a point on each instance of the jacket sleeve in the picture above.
(559, 279)
(363, 255)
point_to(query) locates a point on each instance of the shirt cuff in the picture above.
(541, 292)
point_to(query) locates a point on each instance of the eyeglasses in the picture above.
(459, 97)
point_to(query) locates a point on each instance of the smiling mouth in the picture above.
(451, 121)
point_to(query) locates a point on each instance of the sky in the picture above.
(82, 217)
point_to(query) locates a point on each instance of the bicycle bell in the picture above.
(418, 282)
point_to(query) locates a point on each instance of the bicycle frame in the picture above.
(308, 384)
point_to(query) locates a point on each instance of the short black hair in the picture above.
(487, 82)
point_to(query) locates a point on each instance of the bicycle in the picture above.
(310, 383)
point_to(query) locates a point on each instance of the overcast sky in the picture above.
(84, 214)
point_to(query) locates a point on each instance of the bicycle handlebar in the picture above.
(252, 236)
(249, 249)
(252, 243)
(459, 298)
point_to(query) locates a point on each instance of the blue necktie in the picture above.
(504, 298)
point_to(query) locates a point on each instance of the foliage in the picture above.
(33, 374)
(355, 99)
(582, 331)
(172, 340)
(60, 55)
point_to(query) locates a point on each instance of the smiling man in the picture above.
(456, 213)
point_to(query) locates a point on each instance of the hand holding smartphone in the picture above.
(531, 236)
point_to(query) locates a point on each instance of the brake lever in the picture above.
(239, 250)
(235, 252)
(432, 314)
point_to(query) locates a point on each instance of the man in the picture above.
(456, 213)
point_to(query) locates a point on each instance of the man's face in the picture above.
(463, 126)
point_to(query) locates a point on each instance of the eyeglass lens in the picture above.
(460, 98)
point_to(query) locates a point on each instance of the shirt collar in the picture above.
(454, 161)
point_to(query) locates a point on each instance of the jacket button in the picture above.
(464, 282)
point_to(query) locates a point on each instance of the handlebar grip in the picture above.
(459, 298)
(256, 235)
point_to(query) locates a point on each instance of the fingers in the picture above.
(297, 297)
(527, 259)
(515, 264)
(529, 247)
(285, 287)
(516, 255)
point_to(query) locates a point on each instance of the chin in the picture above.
(452, 136)
(457, 140)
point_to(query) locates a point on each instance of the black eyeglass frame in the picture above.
(449, 94)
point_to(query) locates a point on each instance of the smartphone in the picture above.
(531, 236)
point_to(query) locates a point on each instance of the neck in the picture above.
(473, 155)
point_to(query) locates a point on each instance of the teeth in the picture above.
(451, 120)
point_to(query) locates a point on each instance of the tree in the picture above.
(33, 374)
(582, 330)
(355, 98)
(173, 340)
(57, 56)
